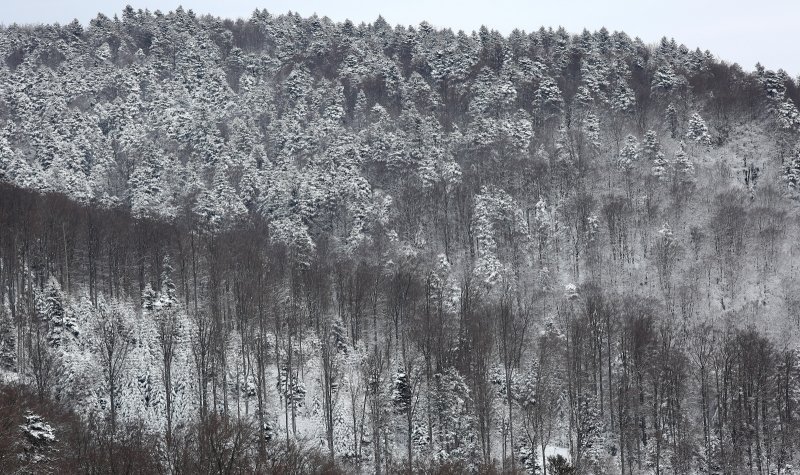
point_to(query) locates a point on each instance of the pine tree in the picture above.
(623, 99)
(591, 441)
(773, 84)
(401, 392)
(149, 297)
(671, 119)
(698, 131)
(629, 154)
(683, 166)
(660, 166)
(53, 312)
(651, 147)
(548, 99)
(591, 127)
(149, 188)
(494, 208)
(788, 115)
(360, 111)
(220, 207)
(454, 434)
(792, 171)
(558, 465)
(7, 158)
(664, 80)
(167, 297)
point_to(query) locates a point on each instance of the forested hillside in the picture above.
(284, 244)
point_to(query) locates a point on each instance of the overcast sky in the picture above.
(739, 31)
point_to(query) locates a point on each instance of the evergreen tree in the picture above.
(671, 119)
(53, 313)
(591, 441)
(591, 127)
(664, 80)
(792, 171)
(629, 154)
(698, 131)
(558, 465)
(651, 147)
(788, 116)
(682, 166)
(7, 159)
(660, 166)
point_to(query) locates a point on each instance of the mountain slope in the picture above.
(406, 247)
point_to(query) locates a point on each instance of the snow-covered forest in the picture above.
(288, 245)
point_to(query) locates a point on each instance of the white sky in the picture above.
(742, 31)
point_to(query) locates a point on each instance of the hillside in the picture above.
(287, 244)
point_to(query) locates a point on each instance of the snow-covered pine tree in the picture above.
(660, 166)
(792, 171)
(53, 311)
(788, 116)
(591, 441)
(651, 147)
(683, 166)
(698, 131)
(591, 128)
(671, 119)
(664, 80)
(629, 154)
(7, 159)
